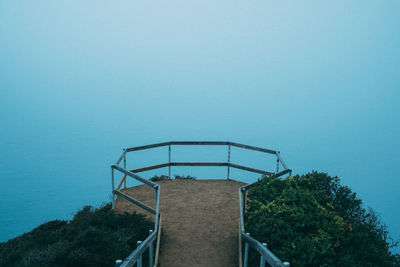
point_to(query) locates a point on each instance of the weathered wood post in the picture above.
(118, 263)
(246, 252)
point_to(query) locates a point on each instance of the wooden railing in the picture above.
(136, 256)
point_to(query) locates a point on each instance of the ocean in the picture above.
(81, 81)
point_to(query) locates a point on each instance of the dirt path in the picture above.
(200, 221)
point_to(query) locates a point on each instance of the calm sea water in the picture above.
(78, 82)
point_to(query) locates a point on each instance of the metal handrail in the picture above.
(203, 143)
(226, 164)
(136, 256)
(207, 143)
(265, 254)
(147, 244)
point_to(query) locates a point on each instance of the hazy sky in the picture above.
(79, 80)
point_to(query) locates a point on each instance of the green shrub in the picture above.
(166, 178)
(94, 237)
(312, 220)
(183, 177)
(160, 178)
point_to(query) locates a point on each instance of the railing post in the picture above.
(277, 163)
(262, 259)
(139, 261)
(169, 161)
(244, 201)
(157, 203)
(112, 184)
(246, 252)
(155, 188)
(125, 166)
(229, 159)
(286, 264)
(151, 251)
(118, 263)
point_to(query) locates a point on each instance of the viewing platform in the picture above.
(200, 225)
(196, 222)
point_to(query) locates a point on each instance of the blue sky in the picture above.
(317, 80)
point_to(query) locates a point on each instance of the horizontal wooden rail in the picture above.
(136, 202)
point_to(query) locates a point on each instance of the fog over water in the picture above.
(80, 81)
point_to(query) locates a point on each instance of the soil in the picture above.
(199, 224)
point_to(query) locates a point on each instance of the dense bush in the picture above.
(183, 177)
(312, 220)
(94, 237)
(157, 178)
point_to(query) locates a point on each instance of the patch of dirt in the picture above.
(199, 224)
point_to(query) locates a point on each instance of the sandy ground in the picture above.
(199, 224)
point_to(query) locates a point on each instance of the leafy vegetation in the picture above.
(183, 177)
(94, 237)
(157, 178)
(312, 220)
(177, 177)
